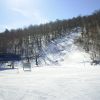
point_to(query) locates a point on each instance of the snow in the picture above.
(73, 78)
(51, 83)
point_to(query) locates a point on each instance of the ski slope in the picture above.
(64, 74)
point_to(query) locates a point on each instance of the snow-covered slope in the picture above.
(63, 50)
(69, 76)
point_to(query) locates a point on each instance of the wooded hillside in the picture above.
(29, 41)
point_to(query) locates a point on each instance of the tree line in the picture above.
(28, 42)
(90, 35)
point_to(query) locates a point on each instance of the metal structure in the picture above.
(6, 57)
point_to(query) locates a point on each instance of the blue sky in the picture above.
(21, 13)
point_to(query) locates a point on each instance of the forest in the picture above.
(29, 41)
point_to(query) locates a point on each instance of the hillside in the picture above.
(65, 75)
(30, 41)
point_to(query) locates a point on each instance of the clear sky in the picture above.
(22, 13)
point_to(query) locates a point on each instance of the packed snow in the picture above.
(64, 74)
